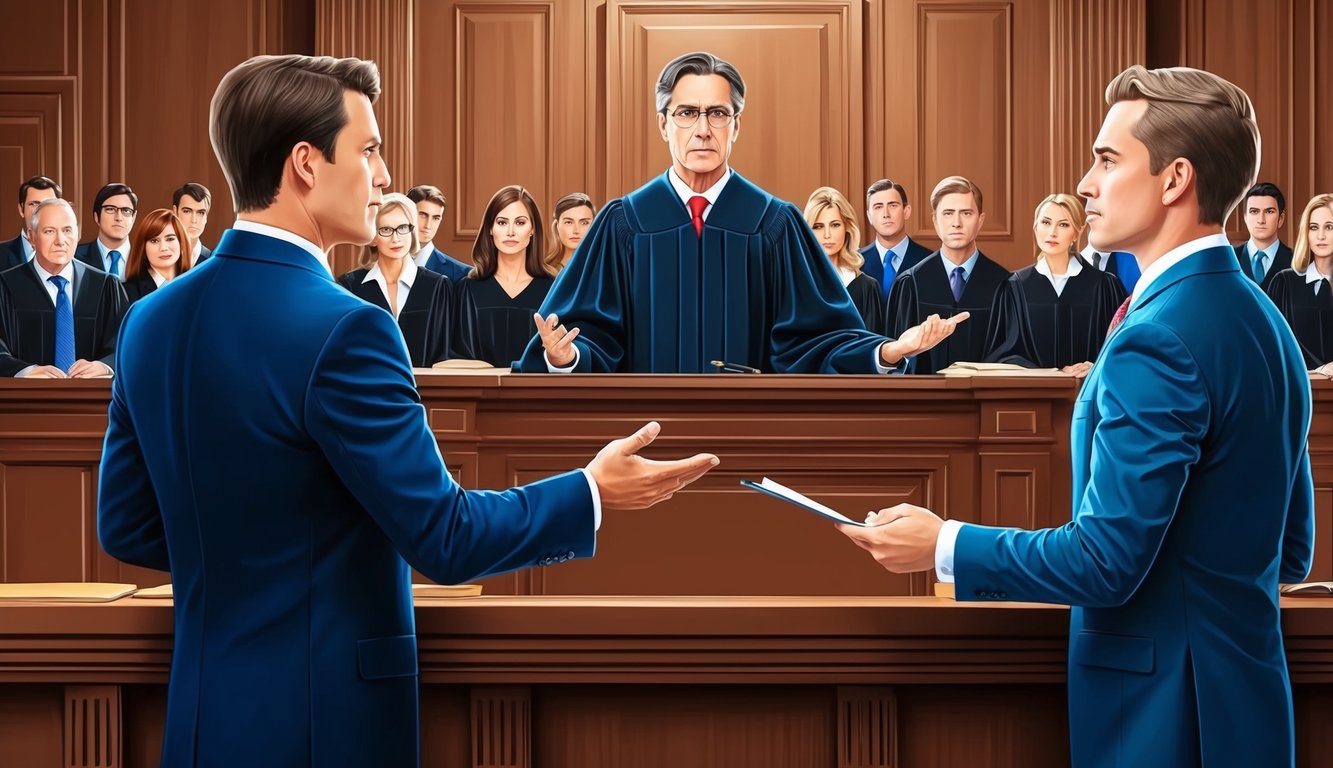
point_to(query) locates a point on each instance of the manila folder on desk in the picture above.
(780, 491)
(65, 592)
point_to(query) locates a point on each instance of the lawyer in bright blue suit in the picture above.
(266, 444)
(891, 252)
(1192, 495)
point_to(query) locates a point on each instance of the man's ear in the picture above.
(1178, 178)
(662, 126)
(303, 162)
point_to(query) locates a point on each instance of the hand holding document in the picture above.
(779, 491)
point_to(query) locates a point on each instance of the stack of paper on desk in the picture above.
(1308, 589)
(464, 367)
(998, 369)
(65, 592)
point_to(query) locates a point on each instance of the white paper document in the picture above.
(779, 491)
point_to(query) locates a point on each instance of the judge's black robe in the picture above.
(1310, 315)
(139, 286)
(428, 320)
(28, 317)
(868, 300)
(497, 326)
(924, 290)
(1033, 327)
(648, 295)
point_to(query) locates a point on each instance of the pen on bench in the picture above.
(734, 367)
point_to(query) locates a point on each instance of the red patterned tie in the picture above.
(1118, 317)
(697, 205)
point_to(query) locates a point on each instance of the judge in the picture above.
(833, 221)
(955, 280)
(1303, 293)
(420, 299)
(1054, 314)
(701, 265)
(157, 253)
(58, 317)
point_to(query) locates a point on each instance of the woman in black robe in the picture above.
(1303, 293)
(1054, 313)
(833, 221)
(509, 280)
(155, 254)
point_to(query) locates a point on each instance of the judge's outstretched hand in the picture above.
(626, 480)
(920, 338)
(901, 538)
(559, 343)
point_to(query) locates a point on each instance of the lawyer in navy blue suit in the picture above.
(58, 318)
(892, 252)
(157, 251)
(570, 221)
(430, 204)
(833, 220)
(266, 444)
(1264, 254)
(114, 209)
(191, 204)
(1192, 494)
(31, 192)
(700, 265)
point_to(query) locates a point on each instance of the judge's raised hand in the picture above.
(88, 369)
(559, 343)
(626, 480)
(920, 338)
(902, 538)
(45, 372)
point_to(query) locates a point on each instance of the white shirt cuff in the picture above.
(552, 369)
(900, 367)
(944, 545)
(596, 500)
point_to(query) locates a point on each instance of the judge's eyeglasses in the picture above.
(401, 229)
(686, 117)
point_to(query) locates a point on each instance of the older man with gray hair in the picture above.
(700, 265)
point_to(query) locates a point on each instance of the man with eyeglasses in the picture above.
(190, 203)
(114, 209)
(701, 265)
(31, 192)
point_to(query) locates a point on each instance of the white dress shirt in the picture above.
(948, 537)
(424, 254)
(1313, 275)
(244, 225)
(1089, 255)
(158, 277)
(1058, 281)
(406, 277)
(123, 250)
(26, 244)
(1253, 249)
(892, 258)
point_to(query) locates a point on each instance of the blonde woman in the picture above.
(1303, 293)
(1054, 313)
(834, 223)
(420, 300)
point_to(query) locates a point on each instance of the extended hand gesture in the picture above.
(559, 343)
(921, 338)
(629, 481)
(902, 538)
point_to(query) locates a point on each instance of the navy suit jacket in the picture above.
(1192, 501)
(266, 444)
(916, 253)
(204, 253)
(90, 254)
(1281, 261)
(11, 253)
(442, 263)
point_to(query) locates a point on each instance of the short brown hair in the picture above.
(154, 224)
(425, 193)
(37, 182)
(951, 185)
(485, 256)
(884, 185)
(1200, 117)
(1301, 256)
(269, 104)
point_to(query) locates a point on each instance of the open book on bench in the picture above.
(1308, 589)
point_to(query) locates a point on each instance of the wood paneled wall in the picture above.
(557, 95)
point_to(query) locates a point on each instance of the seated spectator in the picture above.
(114, 209)
(155, 254)
(430, 205)
(573, 215)
(31, 192)
(1303, 293)
(191, 203)
(834, 222)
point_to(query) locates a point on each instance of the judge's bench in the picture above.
(719, 629)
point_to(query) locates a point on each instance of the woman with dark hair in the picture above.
(1303, 293)
(573, 215)
(509, 280)
(421, 300)
(155, 254)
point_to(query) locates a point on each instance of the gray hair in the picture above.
(32, 220)
(699, 63)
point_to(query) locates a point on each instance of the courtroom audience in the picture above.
(1303, 293)
(58, 317)
(31, 192)
(114, 209)
(430, 205)
(509, 281)
(156, 254)
(420, 299)
(1055, 312)
(572, 218)
(833, 221)
(1264, 254)
(191, 204)
(891, 252)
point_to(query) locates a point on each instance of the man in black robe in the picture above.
(700, 265)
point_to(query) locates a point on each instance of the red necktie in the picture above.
(697, 205)
(1119, 316)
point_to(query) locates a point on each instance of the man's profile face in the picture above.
(31, 197)
(193, 214)
(113, 223)
(429, 216)
(957, 221)
(887, 214)
(54, 238)
(1262, 218)
(1125, 207)
(700, 148)
(345, 197)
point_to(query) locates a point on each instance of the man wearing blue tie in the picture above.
(114, 209)
(892, 252)
(1192, 497)
(1264, 254)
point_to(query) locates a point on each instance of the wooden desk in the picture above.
(623, 682)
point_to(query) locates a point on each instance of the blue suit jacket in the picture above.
(90, 254)
(267, 445)
(1192, 501)
(443, 264)
(916, 253)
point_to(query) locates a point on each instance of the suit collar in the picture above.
(740, 206)
(252, 246)
(286, 236)
(1210, 259)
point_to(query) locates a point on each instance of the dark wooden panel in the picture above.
(31, 722)
(35, 40)
(1011, 727)
(46, 523)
